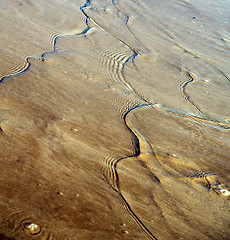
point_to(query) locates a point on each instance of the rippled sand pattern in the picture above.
(114, 119)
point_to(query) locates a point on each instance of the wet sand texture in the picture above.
(114, 120)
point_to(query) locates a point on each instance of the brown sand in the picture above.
(114, 120)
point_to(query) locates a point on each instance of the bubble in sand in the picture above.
(225, 192)
(32, 228)
(125, 232)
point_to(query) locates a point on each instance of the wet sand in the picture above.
(114, 120)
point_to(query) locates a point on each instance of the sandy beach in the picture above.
(114, 120)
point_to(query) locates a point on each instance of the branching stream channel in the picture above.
(161, 170)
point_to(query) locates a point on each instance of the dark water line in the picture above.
(137, 219)
(88, 3)
(205, 117)
(125, 43)
(116, 175)
(127, 18)
(122, 69)
(117, 187)
(85, 31)
(137, 147)
(27, 65)
(173, 40)
(135, 53)
(42, 57)
(133, 131)
(125, 122)
(134, 56)
(183, 86)
(195, 119)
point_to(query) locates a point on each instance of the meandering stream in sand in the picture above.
(114, 119)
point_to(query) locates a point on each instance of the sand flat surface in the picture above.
(114, 120)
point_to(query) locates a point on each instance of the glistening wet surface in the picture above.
(114, 119)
